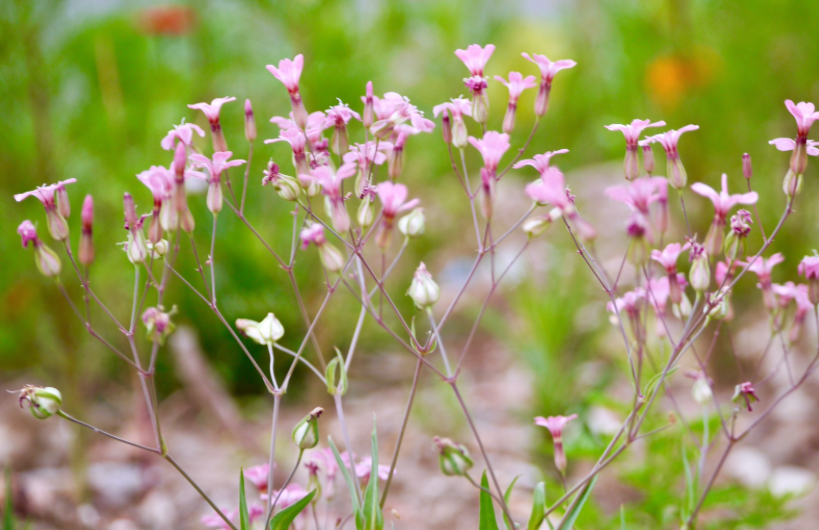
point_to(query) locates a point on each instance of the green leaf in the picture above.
(8, 516)
(538, 507)
(571, 516)
(487, 510)
(370, 517)
(346, 473)
(654, 381)
(244, 518)
(506, 522)
(283, 519)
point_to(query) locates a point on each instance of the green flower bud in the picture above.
(306, 432)
(336, 365)
(453, 457)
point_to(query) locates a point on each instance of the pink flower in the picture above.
(763, 267)
(555, 424)
(216, 521)
(364, 467)
(548, 69)
(458, 107)
(492, 147)
(393, 197)
(326, 459)
(788, 144)
(289, 496)
(330, 182)
(28, 232)
(640, 193)
(45, 194)
(723, 202)
(669, 255)
(540, 162)
(183, 133)
(549, 189)
(56, 210)
(160, 181)
(628, 303)
(394, 109)
(212, 110)
(669, 139)
(258, 475)
(367, 154)
(809, 267)
(288, 72)
(805, 114)
(517, 84)
(659, 290)
(475, 57)
(340, 115)
(312, 234)
(217, 164)
(633, 130)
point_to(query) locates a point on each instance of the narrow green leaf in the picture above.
(571, 516)
(654, 381)
(347, 478)
(371, 516)
(538, 507)
(690, 486)
(506, 522)
(244, 518)
(283, 519)
(622, 517)
(487, 510)
(8, 516)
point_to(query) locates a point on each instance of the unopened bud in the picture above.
(648, 159)
(744, 392)
(158, 249)
(747, 169)
(535, 227)
(453, 457)
(700, 273)
(446, 127)
(366, 213)
(158, 324)
(266, 332)
(792, 184)
(250, 122)
(413, 224)
(423, 289)
(62, 201)
(331, 257)
(369, 108)
(86, 251)
(676, 174)
(336, 384)
(701, 390)
(43, 402)
(130, 211)
(306, 432)
(631, 164)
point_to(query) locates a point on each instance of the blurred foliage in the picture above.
(89, 89)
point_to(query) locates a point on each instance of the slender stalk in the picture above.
(468, 416)
(347, 444)
(401, 432)
(271, 461)
(182, 472)
(109, 435)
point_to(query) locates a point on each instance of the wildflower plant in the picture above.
(359, 168)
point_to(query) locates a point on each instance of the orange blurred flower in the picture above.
(670, 77)
(168, 20)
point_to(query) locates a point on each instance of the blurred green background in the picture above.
(89, 88)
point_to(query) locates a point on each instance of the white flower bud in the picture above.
(701, 391)
(423, 290)
(271, 329)
(265, 332)
(413, 224)
(43, 402)
(331, 257)
(306, 432)
(366, 213)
